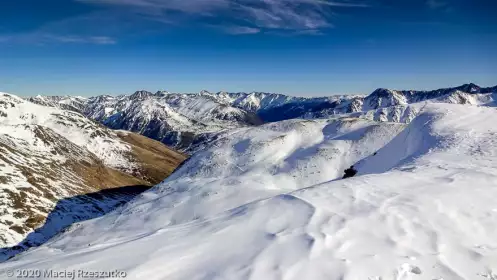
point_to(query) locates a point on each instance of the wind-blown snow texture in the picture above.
(263, 203)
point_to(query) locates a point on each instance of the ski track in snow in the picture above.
(263, 203)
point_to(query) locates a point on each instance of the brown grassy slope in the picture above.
(81, 173)
(156, 160)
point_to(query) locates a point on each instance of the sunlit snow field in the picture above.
(268, 203)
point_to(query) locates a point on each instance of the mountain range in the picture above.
(185, 121)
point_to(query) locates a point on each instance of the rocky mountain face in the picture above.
(48, 154)
(72, 103)
(260, 101)
(178, 120)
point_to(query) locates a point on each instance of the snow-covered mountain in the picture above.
(379, 104)
(47, 154)
(275, 107)
(261, 101)
(174, 119)
(178, 120)
(267, 202)
(185, 121)
(73, 103)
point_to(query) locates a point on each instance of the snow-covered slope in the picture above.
(73, 103)
(16, 112)
(47, 154)
(207, 110)
(263, 203)
(261, 101)
(174, 119)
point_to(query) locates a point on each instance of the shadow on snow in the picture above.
(72, 210)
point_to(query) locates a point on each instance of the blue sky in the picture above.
(297, 47)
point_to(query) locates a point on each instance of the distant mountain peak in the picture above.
(141, 94)
(382, 92)
(470, 88)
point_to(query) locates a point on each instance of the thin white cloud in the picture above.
(43, 38)
(102, 40)
(236, 30)
(98, 40)
(255, 15)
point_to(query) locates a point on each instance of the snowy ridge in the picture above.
(422, 206)
(73, 103)
(398, 113)
(71, 125)
(47, 154)
(207, 110)
(39, 146)
(256, 101)
(174, 119)
(380, 102)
